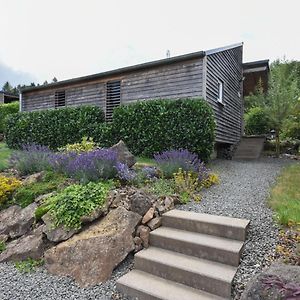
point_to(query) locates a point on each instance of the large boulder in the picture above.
(277, 282)
(124, 155)
(90, 256)
(31, 245)
(33, 178)
(15, 221)
(141, 202)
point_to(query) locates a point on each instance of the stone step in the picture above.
(220, 226)
(209, 276)
(197, 244)
(145, 286)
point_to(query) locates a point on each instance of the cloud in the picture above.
(14, 77)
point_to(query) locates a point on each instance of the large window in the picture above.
(113, 97)
(220, 91)
(60, 99)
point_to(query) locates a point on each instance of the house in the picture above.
(7, 97)
(215, 75)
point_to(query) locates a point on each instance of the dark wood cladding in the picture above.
(227, 67)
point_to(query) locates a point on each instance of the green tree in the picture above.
(7, 87)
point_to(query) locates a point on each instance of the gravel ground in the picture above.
(242, 193)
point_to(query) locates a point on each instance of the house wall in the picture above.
(1, 98)
(227, 67)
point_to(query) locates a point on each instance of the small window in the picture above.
(113, 98)
(60, 99)
(220, 91)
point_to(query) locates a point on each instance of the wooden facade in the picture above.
(210, 75)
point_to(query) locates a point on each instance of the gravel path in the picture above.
(242, 193)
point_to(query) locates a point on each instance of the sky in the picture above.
(41, 39)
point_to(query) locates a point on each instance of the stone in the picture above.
(124, 155)
(96, 214)
(154, 223)
(143, 232)
(33, 178)
(40, 199)
(258, 287)
(148, 215)
(140, 202)
(15, 221)
(138, 244)
(91, 255)
(168, 203)
(31, 245)
(56, 234)
(3, 238)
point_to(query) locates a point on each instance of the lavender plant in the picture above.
(125, 174)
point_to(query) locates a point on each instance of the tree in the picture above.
(54, 79)
(7, 87)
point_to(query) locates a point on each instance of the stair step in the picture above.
(144, 286)
(197, 244)
(209, 276)
(220, 226)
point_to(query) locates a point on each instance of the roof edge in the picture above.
(217, 50)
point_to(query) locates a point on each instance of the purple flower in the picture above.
(149, 172)
(124, 173)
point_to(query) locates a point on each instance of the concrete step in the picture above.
(209, 276)
(220, 226)
(197, 244)
(144, 286)
(249, 148)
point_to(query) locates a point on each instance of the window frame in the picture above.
(112, 98)
(58, 98)
(220, 98)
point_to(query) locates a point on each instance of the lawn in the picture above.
(4, 156)
(285, 196)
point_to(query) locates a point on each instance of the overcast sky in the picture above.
(41, 39)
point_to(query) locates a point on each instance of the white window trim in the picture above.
(220, 98)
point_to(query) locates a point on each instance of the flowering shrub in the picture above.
(87, 144)
(171, 161)
(149, 172)
(7, 187)
(124, 173)
(32, 159)
(211, 179)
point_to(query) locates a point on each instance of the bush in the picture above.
(148, 127)
(5, 110)
(256, 121)
(53, 128)
(87, 144)
(76, 201)
(7, 186)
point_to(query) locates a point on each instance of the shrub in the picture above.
(26, 194)
(28, 265)
(211, 179)
(256, 121)
(148, 127)
(76, 201)
(7, 186)
(87, 144)
(162, 187)
(6, 110)
(53, 128)
(125, 174)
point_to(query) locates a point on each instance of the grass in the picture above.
(144, 161)
(285, 196)
(5, 153)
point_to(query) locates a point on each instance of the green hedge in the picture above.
(153, 126)
(256, 121)
(53, 128)
(5, 110)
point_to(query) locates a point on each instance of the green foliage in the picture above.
(291, 129)
(5, 154)
(6, 110)
(53, 128)
(29, 265)
(68, 206)
(87, 144)
(153, 126)
(2, 246)
(26, 194)
(256, 121)
(41, 211)
(162, 187)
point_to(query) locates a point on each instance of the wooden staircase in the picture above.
(250, 147)
(192, 256)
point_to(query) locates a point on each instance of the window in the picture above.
(60, 99)
(113, 97)
(220, 91)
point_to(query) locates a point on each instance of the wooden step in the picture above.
(145, 286)
(209, 276)
(220, 226)
(197, 244)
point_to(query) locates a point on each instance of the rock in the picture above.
(56, 234)
(143, 232)
(40, 199)
(124, 155)
(3, 238)
(148, 216)
(140, 202)
(138, 244)
(267, 285)
(155, 223)
(31, 245)
(90, 256)
(96, 214)
(168, 203)
(33, 178)
(15, 221)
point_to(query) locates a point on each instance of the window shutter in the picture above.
(113, 97)
(60, 99)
